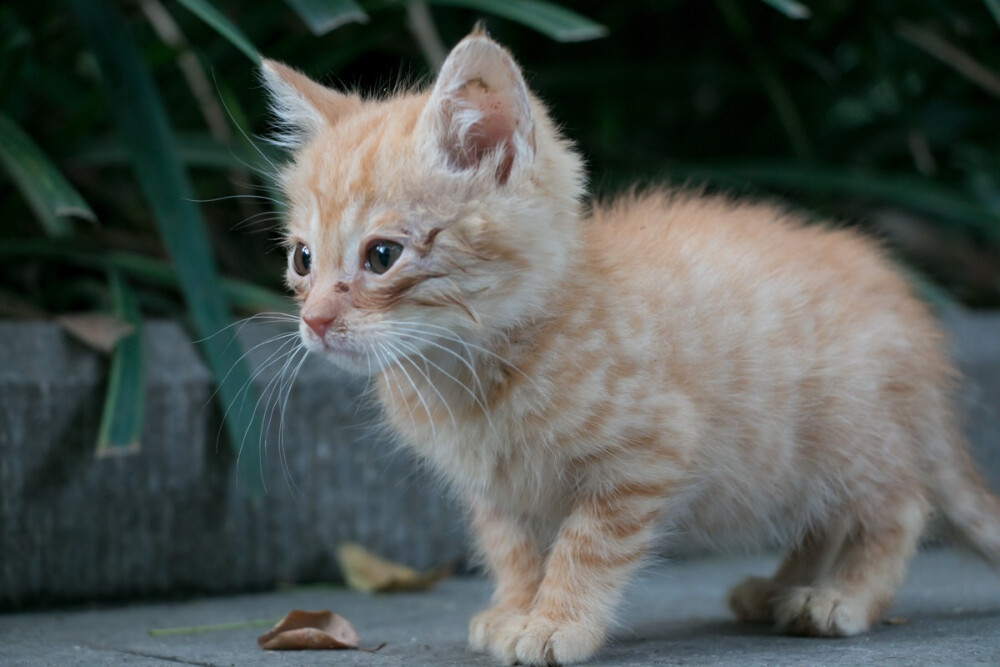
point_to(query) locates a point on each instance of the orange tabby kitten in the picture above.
(667, 362)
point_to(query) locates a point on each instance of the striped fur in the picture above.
(665, 363)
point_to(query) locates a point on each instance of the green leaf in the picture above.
(121, 417)
(214, 18)
(937, 202)
(791, 8)
(143, 122)
(195, 149)
(322, 16)
(50, 196)
(239, 294)
(557, 22)
(994, 7)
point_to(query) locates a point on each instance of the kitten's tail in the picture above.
(970, 509)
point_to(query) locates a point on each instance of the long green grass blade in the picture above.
(937, 202)
(121, 418)
(778, 93)
(791, 8)
(241, 295)
(143, 122)
(214, 18)
(994, 7)
(195, 149)
(215, 627)
(559, 23)
(322, 16)
(50, 195)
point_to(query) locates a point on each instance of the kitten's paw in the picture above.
(485, 627)
(546, 642)
(820, 612)
(752, 600)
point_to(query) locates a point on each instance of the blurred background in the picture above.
(135, 183)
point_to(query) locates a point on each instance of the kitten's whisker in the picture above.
(416, 390)
(258, 220)
(245, 388)
(270, 316)
(387, 368)
(278, 384)
(422, 337)
(281, 417)
(227, 197)
(426, 375)
(452, 336)
(284, 336)
(273, 175)
(475, 398)
(275, 357)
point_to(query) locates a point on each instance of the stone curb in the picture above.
(172, 519)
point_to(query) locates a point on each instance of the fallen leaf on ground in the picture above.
(364, 571)
(98, 331)
(309, 630)
(895, 620)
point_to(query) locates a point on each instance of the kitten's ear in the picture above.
(478, 111)
(301, 105)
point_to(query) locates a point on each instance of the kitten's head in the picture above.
(450, 212)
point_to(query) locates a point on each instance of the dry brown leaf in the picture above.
(309, 630)
(96, 330)
(364, 571)
(895, 620)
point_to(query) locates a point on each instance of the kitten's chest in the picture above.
(485, 454)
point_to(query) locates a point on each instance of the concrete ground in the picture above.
(947, 613)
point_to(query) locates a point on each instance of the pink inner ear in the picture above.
(494, 129)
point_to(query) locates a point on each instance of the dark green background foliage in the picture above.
(884, 114)
(732, 92)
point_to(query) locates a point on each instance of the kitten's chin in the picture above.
(344, 356)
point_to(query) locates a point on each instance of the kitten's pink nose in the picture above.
(320, 324)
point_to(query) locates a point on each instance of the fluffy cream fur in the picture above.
(667, 363)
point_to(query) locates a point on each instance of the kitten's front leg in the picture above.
(512, 554)
(598, 547)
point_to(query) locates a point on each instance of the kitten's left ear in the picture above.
(478, 112)
(300, 104)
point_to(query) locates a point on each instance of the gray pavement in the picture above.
(947, 613)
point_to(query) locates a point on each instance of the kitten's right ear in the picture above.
(479, 109)
(301, 105)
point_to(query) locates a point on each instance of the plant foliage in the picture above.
(132, 175)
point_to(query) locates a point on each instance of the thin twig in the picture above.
(421, 24)
(950, 55)
(775, 88)
(215, 118)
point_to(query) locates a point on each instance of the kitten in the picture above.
(666, 363)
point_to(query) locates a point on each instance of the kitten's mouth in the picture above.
(339, 347)
(334, 347)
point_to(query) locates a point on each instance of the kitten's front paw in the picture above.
(546, 642)
(752, 600)
(820, 612)
(514, 637)
(487, 626)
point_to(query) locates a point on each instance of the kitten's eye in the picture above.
(382, 255)
(301, 259)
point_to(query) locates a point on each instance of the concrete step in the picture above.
(946, 613)
(172, 519)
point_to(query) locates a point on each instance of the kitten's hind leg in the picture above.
(753, 599)
(864, 574)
